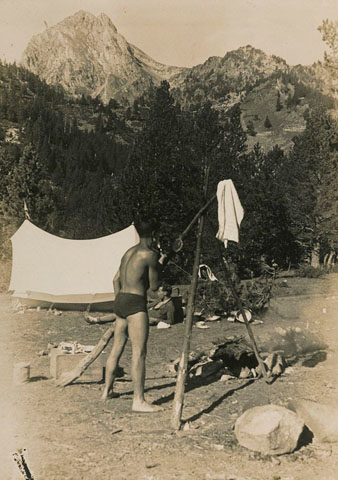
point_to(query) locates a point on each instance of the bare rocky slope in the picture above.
(86, 55)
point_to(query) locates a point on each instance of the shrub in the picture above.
(309, 272)
(254, 294)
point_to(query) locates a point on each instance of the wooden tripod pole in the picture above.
(183, 365)
(241, 309)
(197, 216)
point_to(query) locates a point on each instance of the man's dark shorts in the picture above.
(126, 304)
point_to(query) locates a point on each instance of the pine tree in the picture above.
(313, 182)
(279, 105)
(159, 179)
(267, 123)
(250, 129)
(29, 185)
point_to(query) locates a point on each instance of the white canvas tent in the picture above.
(67, 273)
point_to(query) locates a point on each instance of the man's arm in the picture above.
(116, 282)
(154, 271)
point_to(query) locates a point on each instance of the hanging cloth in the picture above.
(230, 212)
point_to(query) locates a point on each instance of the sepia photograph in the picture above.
(168, 239)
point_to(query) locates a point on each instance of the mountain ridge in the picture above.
(86, 55)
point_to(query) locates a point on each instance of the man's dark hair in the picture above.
(144, 227)
(166, 288)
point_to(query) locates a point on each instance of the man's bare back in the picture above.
(138, 270)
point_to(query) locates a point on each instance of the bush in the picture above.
(214, 297)
(309, 272)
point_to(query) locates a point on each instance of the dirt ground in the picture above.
(69, 434)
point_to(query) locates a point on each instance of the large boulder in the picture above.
(321, 419)
(269, 429)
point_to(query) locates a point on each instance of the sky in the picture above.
(183, 32)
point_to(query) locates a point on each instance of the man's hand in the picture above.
(163, 256)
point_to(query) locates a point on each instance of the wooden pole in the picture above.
(196, 217)
(241, 309)
(70, 377)
(183, 364)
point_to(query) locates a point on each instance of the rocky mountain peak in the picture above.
(106, 21)
(87, 55)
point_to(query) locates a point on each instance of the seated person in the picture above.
(163, 309)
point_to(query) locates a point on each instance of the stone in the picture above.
(225, 378)
(271, 360)
(279, 366)
(269, 429)
(245, 373)
(321, 419)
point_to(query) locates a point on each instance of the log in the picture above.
(70, 377)
(205, 369)
(110, 317)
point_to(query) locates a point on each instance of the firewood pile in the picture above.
(232, 358)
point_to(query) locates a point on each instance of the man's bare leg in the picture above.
(120, 339)
(138, 328)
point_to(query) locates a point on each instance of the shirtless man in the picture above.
(139, 271)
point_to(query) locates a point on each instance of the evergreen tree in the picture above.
(234, 143)
(289, 101)
(329, 31)
(30, 186)
(159, 179)
(250, 129)
(279, 105)
(265, 227)
(312, 183)
(267, 123)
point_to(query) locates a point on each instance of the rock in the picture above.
(187, 426)
(281, 331)
(201, 325)
(271, 360)
(321, 419)
(43, 353)
(245, 373)
(275, 364)
(279, 366)
(162, 325)
(225, 378)
(269, 429)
